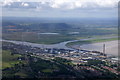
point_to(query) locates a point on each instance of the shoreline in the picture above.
(111, 47)
(90, 41)
(61, 45)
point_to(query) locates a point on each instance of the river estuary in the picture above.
(111, 47)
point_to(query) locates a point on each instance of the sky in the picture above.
(60, 8)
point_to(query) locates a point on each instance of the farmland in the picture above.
(51, 32)
(9, 60)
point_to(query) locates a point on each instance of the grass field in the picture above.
(35, 38)
(45, 39)
(90, 41)
(9, 60)
(0, 59)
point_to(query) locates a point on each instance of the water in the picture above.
(49, 33)
(111, 46)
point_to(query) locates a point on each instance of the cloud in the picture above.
(69, 4)
(8, 2)
(65, 4)
(24, 4)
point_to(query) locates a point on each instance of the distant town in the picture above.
(77, 57)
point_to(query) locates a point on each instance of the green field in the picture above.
(46, 39)
(90, 41)
(11, 65)
(9, 60)
(35, 38)
(0, 59)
